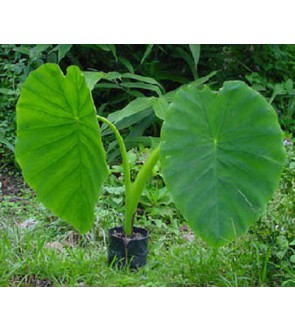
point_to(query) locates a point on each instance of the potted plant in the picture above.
(221, 156)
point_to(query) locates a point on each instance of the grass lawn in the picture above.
(38, 249)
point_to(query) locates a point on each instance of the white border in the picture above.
(146, 309)
(146, 22)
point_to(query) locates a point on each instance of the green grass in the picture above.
(38, 249)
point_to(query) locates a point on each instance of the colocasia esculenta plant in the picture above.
(221, 153)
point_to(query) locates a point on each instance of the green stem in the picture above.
(137, 189)
(133, 192)
(125, 162)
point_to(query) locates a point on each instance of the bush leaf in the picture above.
(160, 106)
(59, 144)
(222, 156)
(135, 106)
(196, 50)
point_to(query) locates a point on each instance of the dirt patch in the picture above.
(11, 184)
(31, 281)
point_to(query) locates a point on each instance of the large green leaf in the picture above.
(161, 104)
(59, 144)
(222, 156)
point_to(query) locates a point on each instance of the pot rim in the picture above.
(143, 231)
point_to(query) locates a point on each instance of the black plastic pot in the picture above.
(131, 251)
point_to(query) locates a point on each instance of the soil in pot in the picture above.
(128, 251)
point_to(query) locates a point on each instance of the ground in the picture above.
(38, 249)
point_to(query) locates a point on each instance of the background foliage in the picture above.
(139, 72)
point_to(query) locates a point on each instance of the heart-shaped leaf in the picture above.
(221, 156)
(59, 144)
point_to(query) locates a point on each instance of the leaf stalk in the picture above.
(132, 191)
